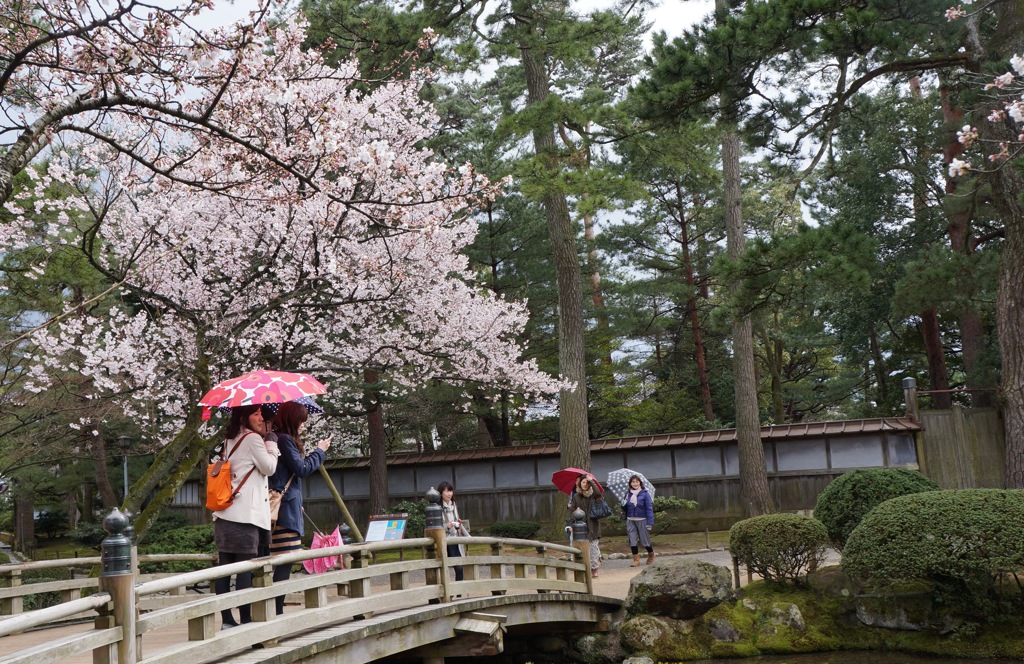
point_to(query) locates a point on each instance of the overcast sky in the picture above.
(671, 16)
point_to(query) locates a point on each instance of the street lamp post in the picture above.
(125, 442)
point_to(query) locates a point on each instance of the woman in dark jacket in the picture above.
(294, 466)
(586, 494)
(639, 508)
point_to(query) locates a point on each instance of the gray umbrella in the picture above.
(618, 482)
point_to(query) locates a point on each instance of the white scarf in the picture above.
(633, 493)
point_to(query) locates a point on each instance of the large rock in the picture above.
(681, 588)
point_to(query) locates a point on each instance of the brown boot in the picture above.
(650, 557)
(636, 560)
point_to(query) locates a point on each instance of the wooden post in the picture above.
(340, 502)
(735, 572)
(13, 605)
(910, 398)
(263, 610)
(435, 530)
(497, 569)
(118, 580)
(584, 546)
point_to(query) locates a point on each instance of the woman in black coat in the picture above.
(586, 494)
(294, 465)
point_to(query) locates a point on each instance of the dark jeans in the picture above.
(454, 552)
(242, 581)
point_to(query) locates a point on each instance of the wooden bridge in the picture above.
(365, 612)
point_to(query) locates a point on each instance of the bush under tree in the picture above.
(778, 547)
(966, 543)
(847, 499)
(515, 529)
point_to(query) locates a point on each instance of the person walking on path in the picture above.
(239, 528)
(586, 494)
(639, 508)
(295, 465)
(452, 524)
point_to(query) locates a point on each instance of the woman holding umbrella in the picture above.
(238, 528)
(587, 492)
(639, 508)
(294, 466)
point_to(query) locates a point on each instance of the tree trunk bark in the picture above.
(378, 445)
(99, 465)
(936, 359)
(691, 310)
(24, 523)
(574, 427)
(596, 295)
(754, 491)
(959, 212)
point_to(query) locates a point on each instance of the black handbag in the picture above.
(600, 508)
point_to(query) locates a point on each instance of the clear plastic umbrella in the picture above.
(618, 482)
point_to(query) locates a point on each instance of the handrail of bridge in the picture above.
(50, 614)
(118, 613)
(13, 590)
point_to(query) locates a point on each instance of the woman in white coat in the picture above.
(240, 528)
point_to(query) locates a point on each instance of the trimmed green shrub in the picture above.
(35, 601)
(88, 534)
(779, 547)
(190, 539)
(417, 516)
(964, 542)
(846, 500)
(515, 529)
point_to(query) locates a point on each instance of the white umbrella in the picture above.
(618, 482)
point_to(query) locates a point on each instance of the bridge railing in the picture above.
(328, 598)
(14, 590)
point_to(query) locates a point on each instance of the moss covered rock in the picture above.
(680, 588)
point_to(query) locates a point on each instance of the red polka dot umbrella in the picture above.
(260, 387)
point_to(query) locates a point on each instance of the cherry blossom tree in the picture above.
(1000, 138)
(256, 207)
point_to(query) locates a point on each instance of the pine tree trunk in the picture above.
(958, 213)
(936, 359)
(754, 491)
(574, 434)
(691, 310)
(596, 295)
(378, 445)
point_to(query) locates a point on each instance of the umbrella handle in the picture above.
(311, 522)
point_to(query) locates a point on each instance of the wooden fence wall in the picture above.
(963, 448)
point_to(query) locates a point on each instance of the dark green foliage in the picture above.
(417, 516)
(515, 529)
(4, 559)
(88, 534)
(967, 543)
(43, 600)
(665, 508)
(162, 526)
(779, 547)
(190, 539)
(846, 500)
(51, 522)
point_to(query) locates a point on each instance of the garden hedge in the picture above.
(779, 547)
(846, 500)
(967, 543)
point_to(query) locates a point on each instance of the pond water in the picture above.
(856, 657)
